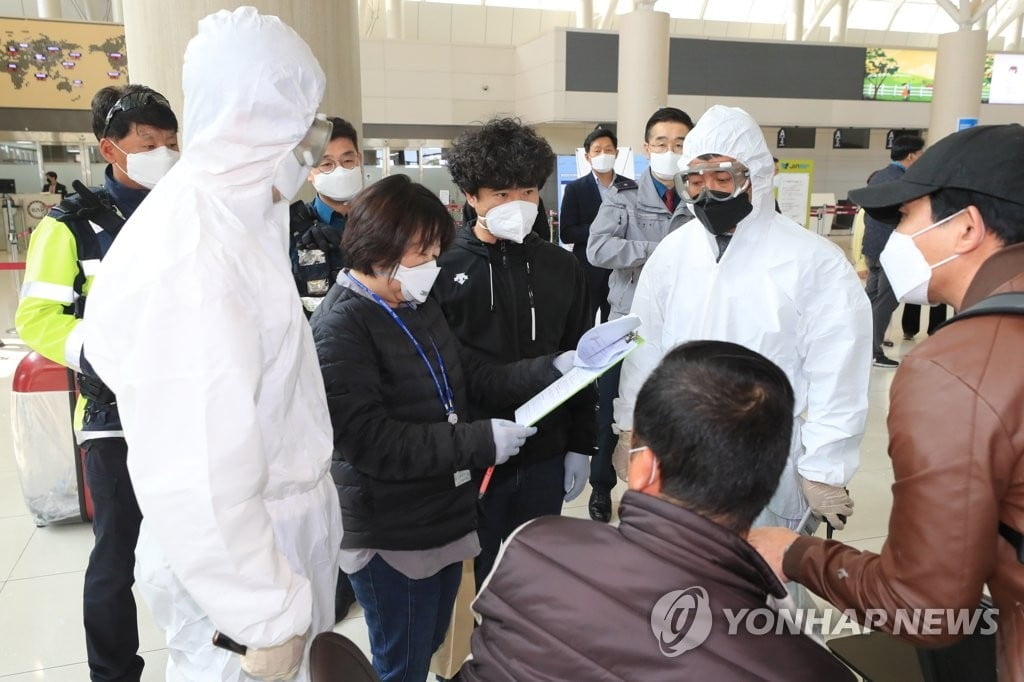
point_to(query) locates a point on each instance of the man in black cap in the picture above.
(956, 422)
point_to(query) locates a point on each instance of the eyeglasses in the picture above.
(328, 166)
(662, 147)
(134, 100)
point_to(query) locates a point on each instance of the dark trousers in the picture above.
(516, 494)
(407, 619)
(111, 628)
(883, 303)
(602, 473)
(912, 318)
(597, 285)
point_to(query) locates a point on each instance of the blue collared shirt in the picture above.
(327, 215)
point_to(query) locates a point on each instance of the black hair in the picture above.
(386, 217)
(501, 154)
(718, 417)
(51, 174)
(667, 114)
(343, 129)
(154, 112)
(1004, 218)
(905, 145)
(596, 134)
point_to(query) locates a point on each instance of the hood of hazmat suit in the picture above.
(778, 289)
(196, 326)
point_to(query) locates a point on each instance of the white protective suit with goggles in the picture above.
(196, 326)
(778, 289)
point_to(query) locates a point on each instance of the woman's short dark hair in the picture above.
(387, 218)
(503, 153)
(719, 418)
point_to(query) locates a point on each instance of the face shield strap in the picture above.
(721, 171)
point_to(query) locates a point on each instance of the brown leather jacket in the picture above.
(573, 599)
(956, 440)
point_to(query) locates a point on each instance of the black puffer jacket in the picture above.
(509, 301)
(395, 454)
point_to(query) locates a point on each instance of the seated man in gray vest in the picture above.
(712, 428)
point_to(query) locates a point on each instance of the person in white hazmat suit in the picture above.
(197, 328)
(741, 272)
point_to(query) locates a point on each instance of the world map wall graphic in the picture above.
(59, 64)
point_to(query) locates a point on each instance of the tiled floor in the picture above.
(41, 569)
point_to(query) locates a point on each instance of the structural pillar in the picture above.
(643, 71)
(795, 25)
(48, 9)
(156, 34)
(838, 32)
(959, 70)
(585, 14)
(394, 20)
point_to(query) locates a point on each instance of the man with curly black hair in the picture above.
(510, 295)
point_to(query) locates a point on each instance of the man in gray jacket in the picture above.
(633, 218)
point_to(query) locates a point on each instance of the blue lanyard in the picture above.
(445, 395)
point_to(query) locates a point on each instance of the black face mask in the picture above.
(718, 217)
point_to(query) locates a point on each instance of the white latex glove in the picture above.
(279, 662)
(508, 438)
(827, 500)
(620, 456)
(577, 471)
(563, 362)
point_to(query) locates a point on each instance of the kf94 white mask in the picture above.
(417, 281)
(906, 267)
(341, 184)
(602, 163)
(512, 220)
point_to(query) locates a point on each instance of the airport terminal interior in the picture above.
(412, 75)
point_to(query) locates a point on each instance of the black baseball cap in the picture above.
(983, 159)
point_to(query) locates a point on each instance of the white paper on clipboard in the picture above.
(606, 344)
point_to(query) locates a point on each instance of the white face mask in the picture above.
(512, 220)
(602, 163)
(147, 168)
(416, 282)
(341, 184)
(665, 164)
(906, 268)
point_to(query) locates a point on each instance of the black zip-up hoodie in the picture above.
(508, 302)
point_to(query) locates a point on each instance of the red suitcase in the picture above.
(49, 460)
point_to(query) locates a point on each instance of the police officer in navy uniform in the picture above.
(138, 137)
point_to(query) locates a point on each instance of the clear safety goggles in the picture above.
(309, 151)
(714, 180)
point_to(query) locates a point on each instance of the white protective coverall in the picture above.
(780, 290)
(196, 326)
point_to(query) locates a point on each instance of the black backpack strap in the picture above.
(1014, 537)
(1007, 303)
